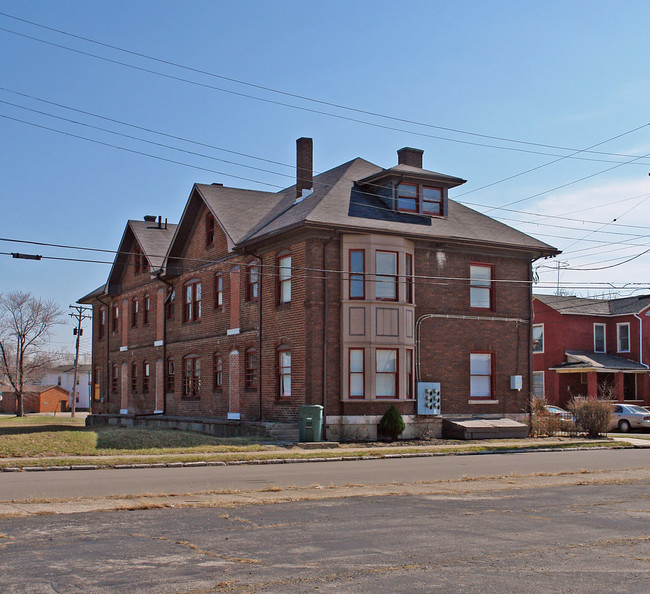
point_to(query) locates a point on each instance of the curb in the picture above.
(302, 460)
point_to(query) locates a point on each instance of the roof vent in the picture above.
(150, 218)
(410, 156)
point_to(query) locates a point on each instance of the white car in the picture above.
(630, 416)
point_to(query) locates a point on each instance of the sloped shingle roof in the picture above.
(595, 307)
(334, 202)
(581, 360)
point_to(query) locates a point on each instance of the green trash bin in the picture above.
(310, 422)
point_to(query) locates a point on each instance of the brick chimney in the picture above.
(410, 156)
(304, 165)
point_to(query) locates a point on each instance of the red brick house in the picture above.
(346, 290)
(591, 347)
(36, 399)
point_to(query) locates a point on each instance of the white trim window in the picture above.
(599, 338)
(538, 338)
(623, 337)
(538, 384)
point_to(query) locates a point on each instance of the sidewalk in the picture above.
(637, 442)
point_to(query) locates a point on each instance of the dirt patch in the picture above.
(465, 487)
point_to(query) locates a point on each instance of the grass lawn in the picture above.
(59, 441)
(45, 436)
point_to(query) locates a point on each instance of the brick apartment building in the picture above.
(344, 290)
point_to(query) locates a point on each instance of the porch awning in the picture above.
(585, 361)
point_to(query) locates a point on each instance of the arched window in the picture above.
(102, 323)
(218, 371)
(115, 378)
(135, 308)
(134, 377)
(191, 376)
(284, 372)
(218, 290)
(209, 230)
(146, 370)
(283, 266)
(171, 377)
(169, 304)
(252, 280)
(96, 385)
(146, 309)
(116, 317)
(192, 301)
(250, 368)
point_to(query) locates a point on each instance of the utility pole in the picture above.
(79, 313)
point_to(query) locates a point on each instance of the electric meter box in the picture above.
(428, 398)
(516, 382)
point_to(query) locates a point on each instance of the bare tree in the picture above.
(25, 326)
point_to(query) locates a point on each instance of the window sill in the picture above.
(482, 401)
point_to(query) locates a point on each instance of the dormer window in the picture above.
(431, 200)
(419, 198)
(407, 197)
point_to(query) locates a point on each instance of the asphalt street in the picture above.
(98, 483)
(569, 539)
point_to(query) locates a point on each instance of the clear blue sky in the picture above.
(570, 74)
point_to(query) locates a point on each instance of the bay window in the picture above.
(357, 274)
(386, 373)
(386, 275)
(357, 379)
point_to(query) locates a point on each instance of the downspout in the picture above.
(164, 345)
(641, 340)
(108, 377)
(325, 325)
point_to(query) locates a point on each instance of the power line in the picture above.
(280, 103)
(288, 94)
(145, 129)
(130, 137)
(183, 150)
(108, 144)
(322, 273)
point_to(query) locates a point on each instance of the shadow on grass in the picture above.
(150, 439)
(38, 429)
